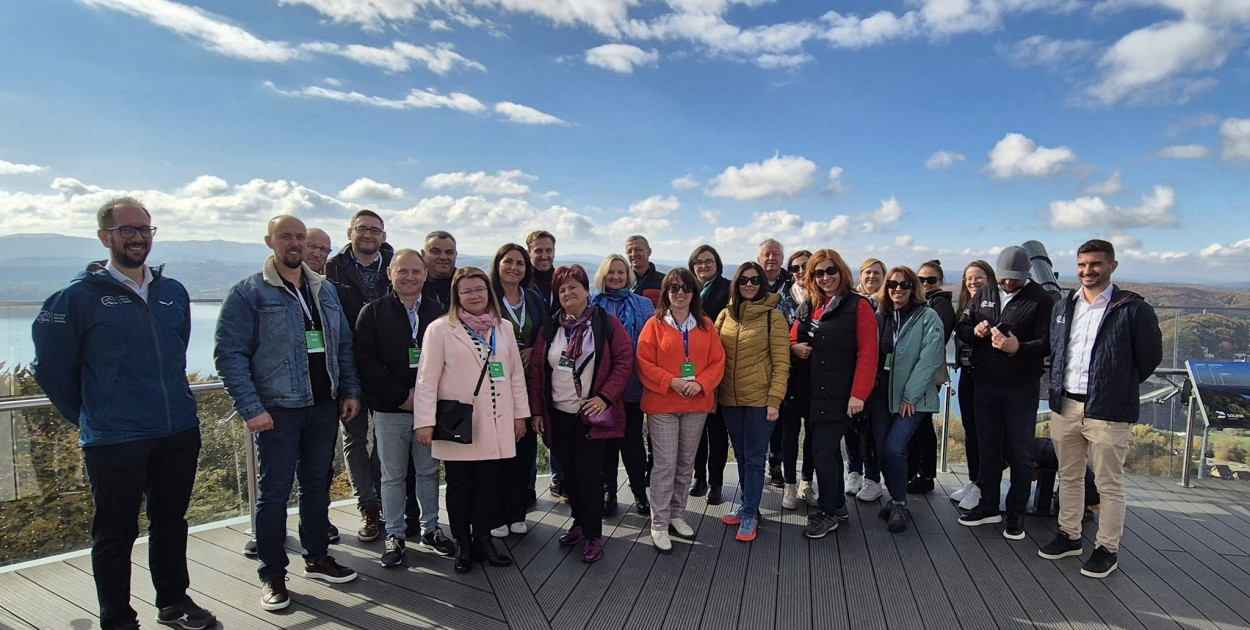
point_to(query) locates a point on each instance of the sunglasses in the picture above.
(905, 284)
(929, 279)
(828, 271)
(796, 268)
(749, 280)
(680, 288)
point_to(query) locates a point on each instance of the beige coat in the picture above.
(449, 367)
(757, 360)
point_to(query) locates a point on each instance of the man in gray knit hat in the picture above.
(1008, 328)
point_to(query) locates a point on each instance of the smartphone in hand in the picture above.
(1004, 328)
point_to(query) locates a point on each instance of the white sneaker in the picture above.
(971, 499)
(662, 542)
(870, 492)
(807, 492)
(854, 483)
(518, 528)
(681, 527)
(500, 532)
(790, 500)
(959, 494)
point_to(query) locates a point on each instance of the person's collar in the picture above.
(123, 278)
(377, 258)
(1104, 295)
(689, 323)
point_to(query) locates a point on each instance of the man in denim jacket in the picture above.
(284, 352)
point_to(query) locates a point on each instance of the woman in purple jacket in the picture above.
(581, 363)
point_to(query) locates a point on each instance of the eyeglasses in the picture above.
(828, 271)
(905, 285)
(930, 280)
(129, 231)
(796, 268)
(749, 280)
(471, 292)
(371, 231)
(317, 248)
(680, 288)
(710, 262)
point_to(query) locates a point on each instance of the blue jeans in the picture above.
(395, 445)
(749, 432)
(301, 441)
(893, 433)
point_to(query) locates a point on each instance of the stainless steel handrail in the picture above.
(22, 404)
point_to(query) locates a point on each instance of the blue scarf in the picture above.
(620, 303)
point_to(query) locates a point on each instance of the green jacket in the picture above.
(918, 355)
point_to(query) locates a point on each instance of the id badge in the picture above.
(811, 331)
(687, 370)
(316, 341)
(566, 364)
(414, 357)
(889, 362)
(496, 371)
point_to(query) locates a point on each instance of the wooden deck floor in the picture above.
(1184, 563)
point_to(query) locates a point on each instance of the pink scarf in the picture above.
(481, 324)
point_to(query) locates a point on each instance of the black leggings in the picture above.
(632, 450)
(709, 460)
(582, 459)
(791, 425)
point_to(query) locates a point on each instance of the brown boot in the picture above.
(370, 524)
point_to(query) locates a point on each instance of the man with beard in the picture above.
(440, 257)
(542, 249)
(140, 435)
(318, 250)
(638, 252)
(284, 352)
(359, 274)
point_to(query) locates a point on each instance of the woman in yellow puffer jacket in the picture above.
(757, 366)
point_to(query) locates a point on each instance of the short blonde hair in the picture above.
(601, 275)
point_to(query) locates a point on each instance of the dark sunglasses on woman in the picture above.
(747, 280)
(905, 285)
(796, 268)
(820, 273)
(680, 288)
(929, 279)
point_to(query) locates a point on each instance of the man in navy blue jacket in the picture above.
(1105, 341)
(111, 353)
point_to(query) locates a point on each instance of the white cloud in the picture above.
(778, 176)
(605, 16)
(331, 81)
(416, 99)
(622, 58)
(651, 216)
(836, 185)
(439, 25)
(1150, 63)
(439, 59)
(1218, 254)
(480, 224)
(206, 186)
(685, 182)
(365, 188)
(904, 241)
(1112, 186)
(1092, 212)
(1040, 50)
(1183, 152)
(526, 115)
(506, 183)
(549, 195)
(1125, 241)
(889, 211)
(655, 207)
(943, 159)
(1018, 156)
(849, 31)
(10, 168)
(772, 60)
(1235, 139)
(206, 29)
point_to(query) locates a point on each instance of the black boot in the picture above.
(610, 504)
(642, 504)
(698, 488)
(484, 548)
(714, 496)
(464, 555)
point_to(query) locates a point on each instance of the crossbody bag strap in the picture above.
(481, 376)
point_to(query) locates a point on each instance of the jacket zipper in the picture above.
(1094, 346)
(156, 342)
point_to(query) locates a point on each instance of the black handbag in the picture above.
(453, 420)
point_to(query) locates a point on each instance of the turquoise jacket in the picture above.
(918, 355)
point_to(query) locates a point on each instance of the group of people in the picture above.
(421, 362)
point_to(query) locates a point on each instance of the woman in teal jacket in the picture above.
(911, 343)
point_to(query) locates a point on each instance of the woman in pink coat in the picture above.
(454, 352)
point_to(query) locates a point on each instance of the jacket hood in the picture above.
(942, 294)
(755, 309)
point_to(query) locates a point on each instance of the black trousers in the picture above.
(1006, 425)
(472, 496)
(121, 475)
(968, 415)
(709, 460)
(515, 491)
(827, 451)
(922, 452)
(582, 459)
(791, 424)
(631, 450)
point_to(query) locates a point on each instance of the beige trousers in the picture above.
(674, 442)
(1104, 445)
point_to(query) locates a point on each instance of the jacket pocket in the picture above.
(273, 380)
(274, 321)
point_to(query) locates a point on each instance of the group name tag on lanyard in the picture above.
(414, 357)
(314, 339)
(687, 366)
(494, 367)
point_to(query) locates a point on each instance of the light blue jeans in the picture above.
(395, 444)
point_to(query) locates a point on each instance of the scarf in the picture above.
(619, 303)
(575, 328)
(481, 324)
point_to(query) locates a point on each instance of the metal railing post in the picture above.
(1191, 420)
(944, 449)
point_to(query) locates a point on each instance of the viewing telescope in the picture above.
(1042, 270)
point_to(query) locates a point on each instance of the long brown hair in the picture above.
(735, 289)
(814, 293)
(964, 296)
(885, 304)
(681, 275)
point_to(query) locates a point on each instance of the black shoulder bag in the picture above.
(453, 420)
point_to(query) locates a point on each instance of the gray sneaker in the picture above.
(819, 525)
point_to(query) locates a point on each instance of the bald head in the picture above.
(318, 249)
(287, 237)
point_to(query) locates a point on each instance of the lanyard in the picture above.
(299, 294)
(482, 340)
(685, 340)
(512, 313)
(897, 329)
(415, 322)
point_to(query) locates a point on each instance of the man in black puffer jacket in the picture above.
(1008, 327)
(1105, 342)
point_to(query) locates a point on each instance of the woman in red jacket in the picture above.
(681, 361)
(834, 343)
(582, 361)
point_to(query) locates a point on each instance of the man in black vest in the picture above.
(1008, 327)
(359, 274)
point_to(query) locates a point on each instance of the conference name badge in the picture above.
(687, 370)
(496, 371)
(316, 341)
(414, 357)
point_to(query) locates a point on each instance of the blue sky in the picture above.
(902, 130)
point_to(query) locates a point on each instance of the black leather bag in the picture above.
(453, 420)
